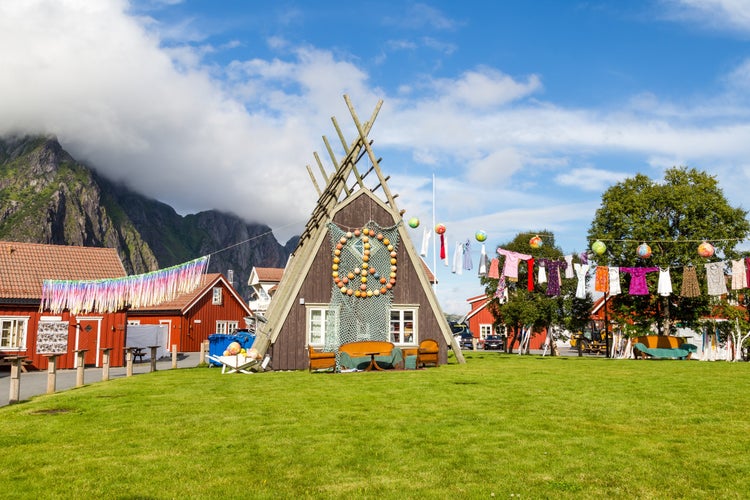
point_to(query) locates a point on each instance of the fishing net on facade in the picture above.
(364, 266)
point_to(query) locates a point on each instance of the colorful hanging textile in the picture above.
(110, 295)
(542, 273)
(664, 285)
(530, 274)
(638, 285)
(494, 271)
(717, 284)
(468, 264)
(510, 267)
(553, 275)
(601, 279)
(581, 271)
(739, 275)
(458, 258)
(614, 281)
(690, 287)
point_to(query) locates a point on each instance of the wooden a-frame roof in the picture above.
(340, 190)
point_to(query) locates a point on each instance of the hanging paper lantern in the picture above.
(598, 247)
(705, 249)
(644, 251)
(414, 222)
(480, 235)
(440, 228)
(536, 242)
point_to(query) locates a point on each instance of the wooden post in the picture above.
(202, 354)
(153, 356)
(15, 378)
(106, 352)
(80, 367)
(129, 361)
(174, 356)
(51, 373)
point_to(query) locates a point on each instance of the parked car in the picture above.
(465, 340)
(463, 335)
(495, 342)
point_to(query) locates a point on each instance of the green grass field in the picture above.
(498, 426)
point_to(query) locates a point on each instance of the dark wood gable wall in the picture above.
(289, 352)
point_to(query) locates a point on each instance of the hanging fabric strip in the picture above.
(483, 261)
(425, 242)
(110, 295)
(468, 264)
(458, 258)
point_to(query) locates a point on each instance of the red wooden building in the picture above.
(213, 307)
(481, 323)
(25, 328)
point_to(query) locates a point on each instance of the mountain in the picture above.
(46, 196)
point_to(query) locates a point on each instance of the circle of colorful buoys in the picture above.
(706, 249)
(414, 222)
(644, 251)
(364, 274)
(440, 228)
(536, 242)
(480, 235)
(598, 247)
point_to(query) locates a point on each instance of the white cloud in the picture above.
(238, 138)
(590, 179)
(718, 14)
(484, 88)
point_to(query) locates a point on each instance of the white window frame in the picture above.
(17, 329)
(485, 329)
(218, 296)
(316, 316)
(399, 319)
(225, 326)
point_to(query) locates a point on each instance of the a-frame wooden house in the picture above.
(355, 274)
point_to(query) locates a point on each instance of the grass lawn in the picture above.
(499, 426)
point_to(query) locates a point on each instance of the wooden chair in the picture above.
(321, 360)
(428, 353)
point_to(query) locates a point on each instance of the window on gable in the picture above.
(217, 296)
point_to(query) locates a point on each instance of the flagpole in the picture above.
(434, 246)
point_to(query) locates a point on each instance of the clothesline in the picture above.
(647, 240)
(607, 278)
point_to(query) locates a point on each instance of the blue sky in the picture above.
(525, 112)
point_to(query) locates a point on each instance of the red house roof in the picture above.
(269, 274)
(185, 301)
(25, 266)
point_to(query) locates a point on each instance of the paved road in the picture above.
(35, 382)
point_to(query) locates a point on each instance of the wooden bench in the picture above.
(662, 346)
(320, 360)
(369, 354)
(6, 360)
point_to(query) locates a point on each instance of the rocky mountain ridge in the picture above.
(46, 196)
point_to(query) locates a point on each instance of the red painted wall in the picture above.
(90, 332)
(188, 331)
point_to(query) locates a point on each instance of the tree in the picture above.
(673, 217)
(535, 308)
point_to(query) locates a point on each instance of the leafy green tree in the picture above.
(673, 217)
(535, 308)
